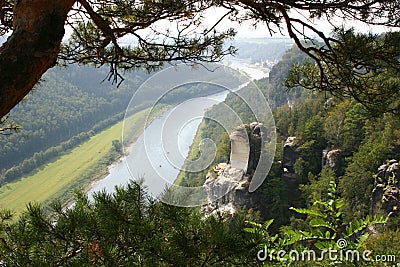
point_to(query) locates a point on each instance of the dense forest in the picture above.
(322, 140)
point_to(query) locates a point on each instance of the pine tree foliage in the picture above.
(364, 67)
(170, 31)
(126, 228)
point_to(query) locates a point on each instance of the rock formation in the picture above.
(232, 184)
(231, 180)
(240, 148)
(385, 197)
(290, 156)
(334, 159)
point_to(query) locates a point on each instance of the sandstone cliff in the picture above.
(385, 197)
(231, 180)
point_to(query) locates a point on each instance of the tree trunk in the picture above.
(32, 48)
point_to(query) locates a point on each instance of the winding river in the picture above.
(136, 163)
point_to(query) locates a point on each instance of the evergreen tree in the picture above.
(127, 228)
(99, 26)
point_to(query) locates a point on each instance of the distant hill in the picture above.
(262, 49)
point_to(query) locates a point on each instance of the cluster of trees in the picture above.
(363, 144)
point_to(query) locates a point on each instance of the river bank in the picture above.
(59, 179)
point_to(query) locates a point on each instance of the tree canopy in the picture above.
(36, 30)
(364, 67)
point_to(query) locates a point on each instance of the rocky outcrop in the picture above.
(290, 156)
(231, 180)
(246, 143)
(333, 159)
(385, 197)
(230, 183)
(240, 148)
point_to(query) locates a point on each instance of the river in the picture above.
(150, 145)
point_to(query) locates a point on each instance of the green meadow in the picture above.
(59, 178)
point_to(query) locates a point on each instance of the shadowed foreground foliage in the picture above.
(126, 228)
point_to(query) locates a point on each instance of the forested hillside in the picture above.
(67, 102)
(321, 139)
(279, 95)
(275, 92)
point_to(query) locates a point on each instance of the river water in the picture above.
(150, 145)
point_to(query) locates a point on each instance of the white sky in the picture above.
(247, 30)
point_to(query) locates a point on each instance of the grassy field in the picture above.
(193, 152)
(56, 178)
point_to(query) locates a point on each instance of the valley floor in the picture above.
(75, 170)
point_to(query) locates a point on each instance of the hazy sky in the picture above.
(247, 30)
